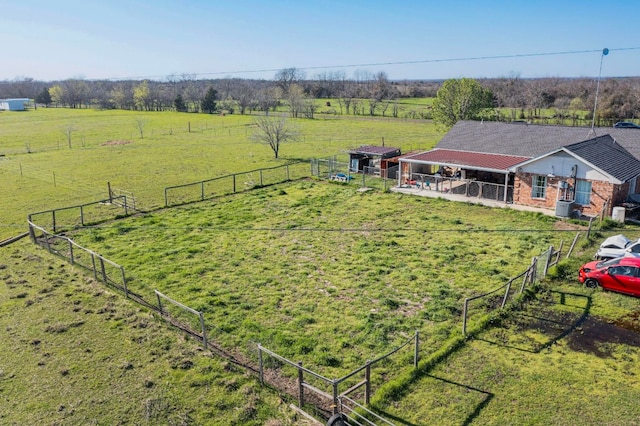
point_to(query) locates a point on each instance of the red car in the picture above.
(621, 274)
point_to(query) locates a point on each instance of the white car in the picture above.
(618, 246)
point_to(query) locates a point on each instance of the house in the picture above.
(15, 104)
(371, 159)
(571, 169)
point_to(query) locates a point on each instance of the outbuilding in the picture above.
(14, 104)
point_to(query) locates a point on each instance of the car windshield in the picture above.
(608, 263)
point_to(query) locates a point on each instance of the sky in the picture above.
(117, 39)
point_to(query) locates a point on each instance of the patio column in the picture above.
(506, 186)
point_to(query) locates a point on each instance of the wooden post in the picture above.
(202, 190)
(335, 397)
(260, 177)
(110, 193)
(166, 200)
(71, 252)
(589, 229)
(506, 295)
(546, 266)
(53, 218)
(189, 126)
(81, 216)
(300, 386)
(575, 240)
(234, 183)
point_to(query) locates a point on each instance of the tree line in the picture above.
(363, 93)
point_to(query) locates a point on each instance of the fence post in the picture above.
(260, 177)
(589, 229)
(53, 216)
(204, 330)
(575, 240)
(71, 252)
(260, 364)
(166, 200)
(464, 317)
(367, 382)
(335, 396)
(546, 266)
(287, 169)
(202, 190)
(234, 183)
(300, 386)
(506, 294)
(417, 349)
(159, 303)
(124, 282)
(46, 240)
(81, 216)
(104, 271)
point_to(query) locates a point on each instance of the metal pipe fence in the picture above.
(499, 297)
(68, 218)
(233, 183)
(333, 394)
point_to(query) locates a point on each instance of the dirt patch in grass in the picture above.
(593, 335)
(115, 143)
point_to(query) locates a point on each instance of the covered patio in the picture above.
(463, 173)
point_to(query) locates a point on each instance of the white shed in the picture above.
(14, 104)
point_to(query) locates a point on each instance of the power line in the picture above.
(389, 63)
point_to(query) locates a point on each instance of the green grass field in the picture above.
(318, 271)
(106, 147)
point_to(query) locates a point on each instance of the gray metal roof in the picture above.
(529, 140)
(607, 155)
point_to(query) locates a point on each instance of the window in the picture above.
(583, 192)
(539, 189)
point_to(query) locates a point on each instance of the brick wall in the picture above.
(600, 193)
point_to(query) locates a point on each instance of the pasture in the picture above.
(39, 170)
(317, 271)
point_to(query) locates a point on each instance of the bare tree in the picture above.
(274, 131)
(285, 78)
(140, 123)
(68, 131)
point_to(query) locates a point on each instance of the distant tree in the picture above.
(460, 99)
(274, 131)
(56, 92)
(179, 104)
(44, 97)
(141, 96)
(287, 77)
(295, 99)
(209, 101)
(268, 98)
(228, 105)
